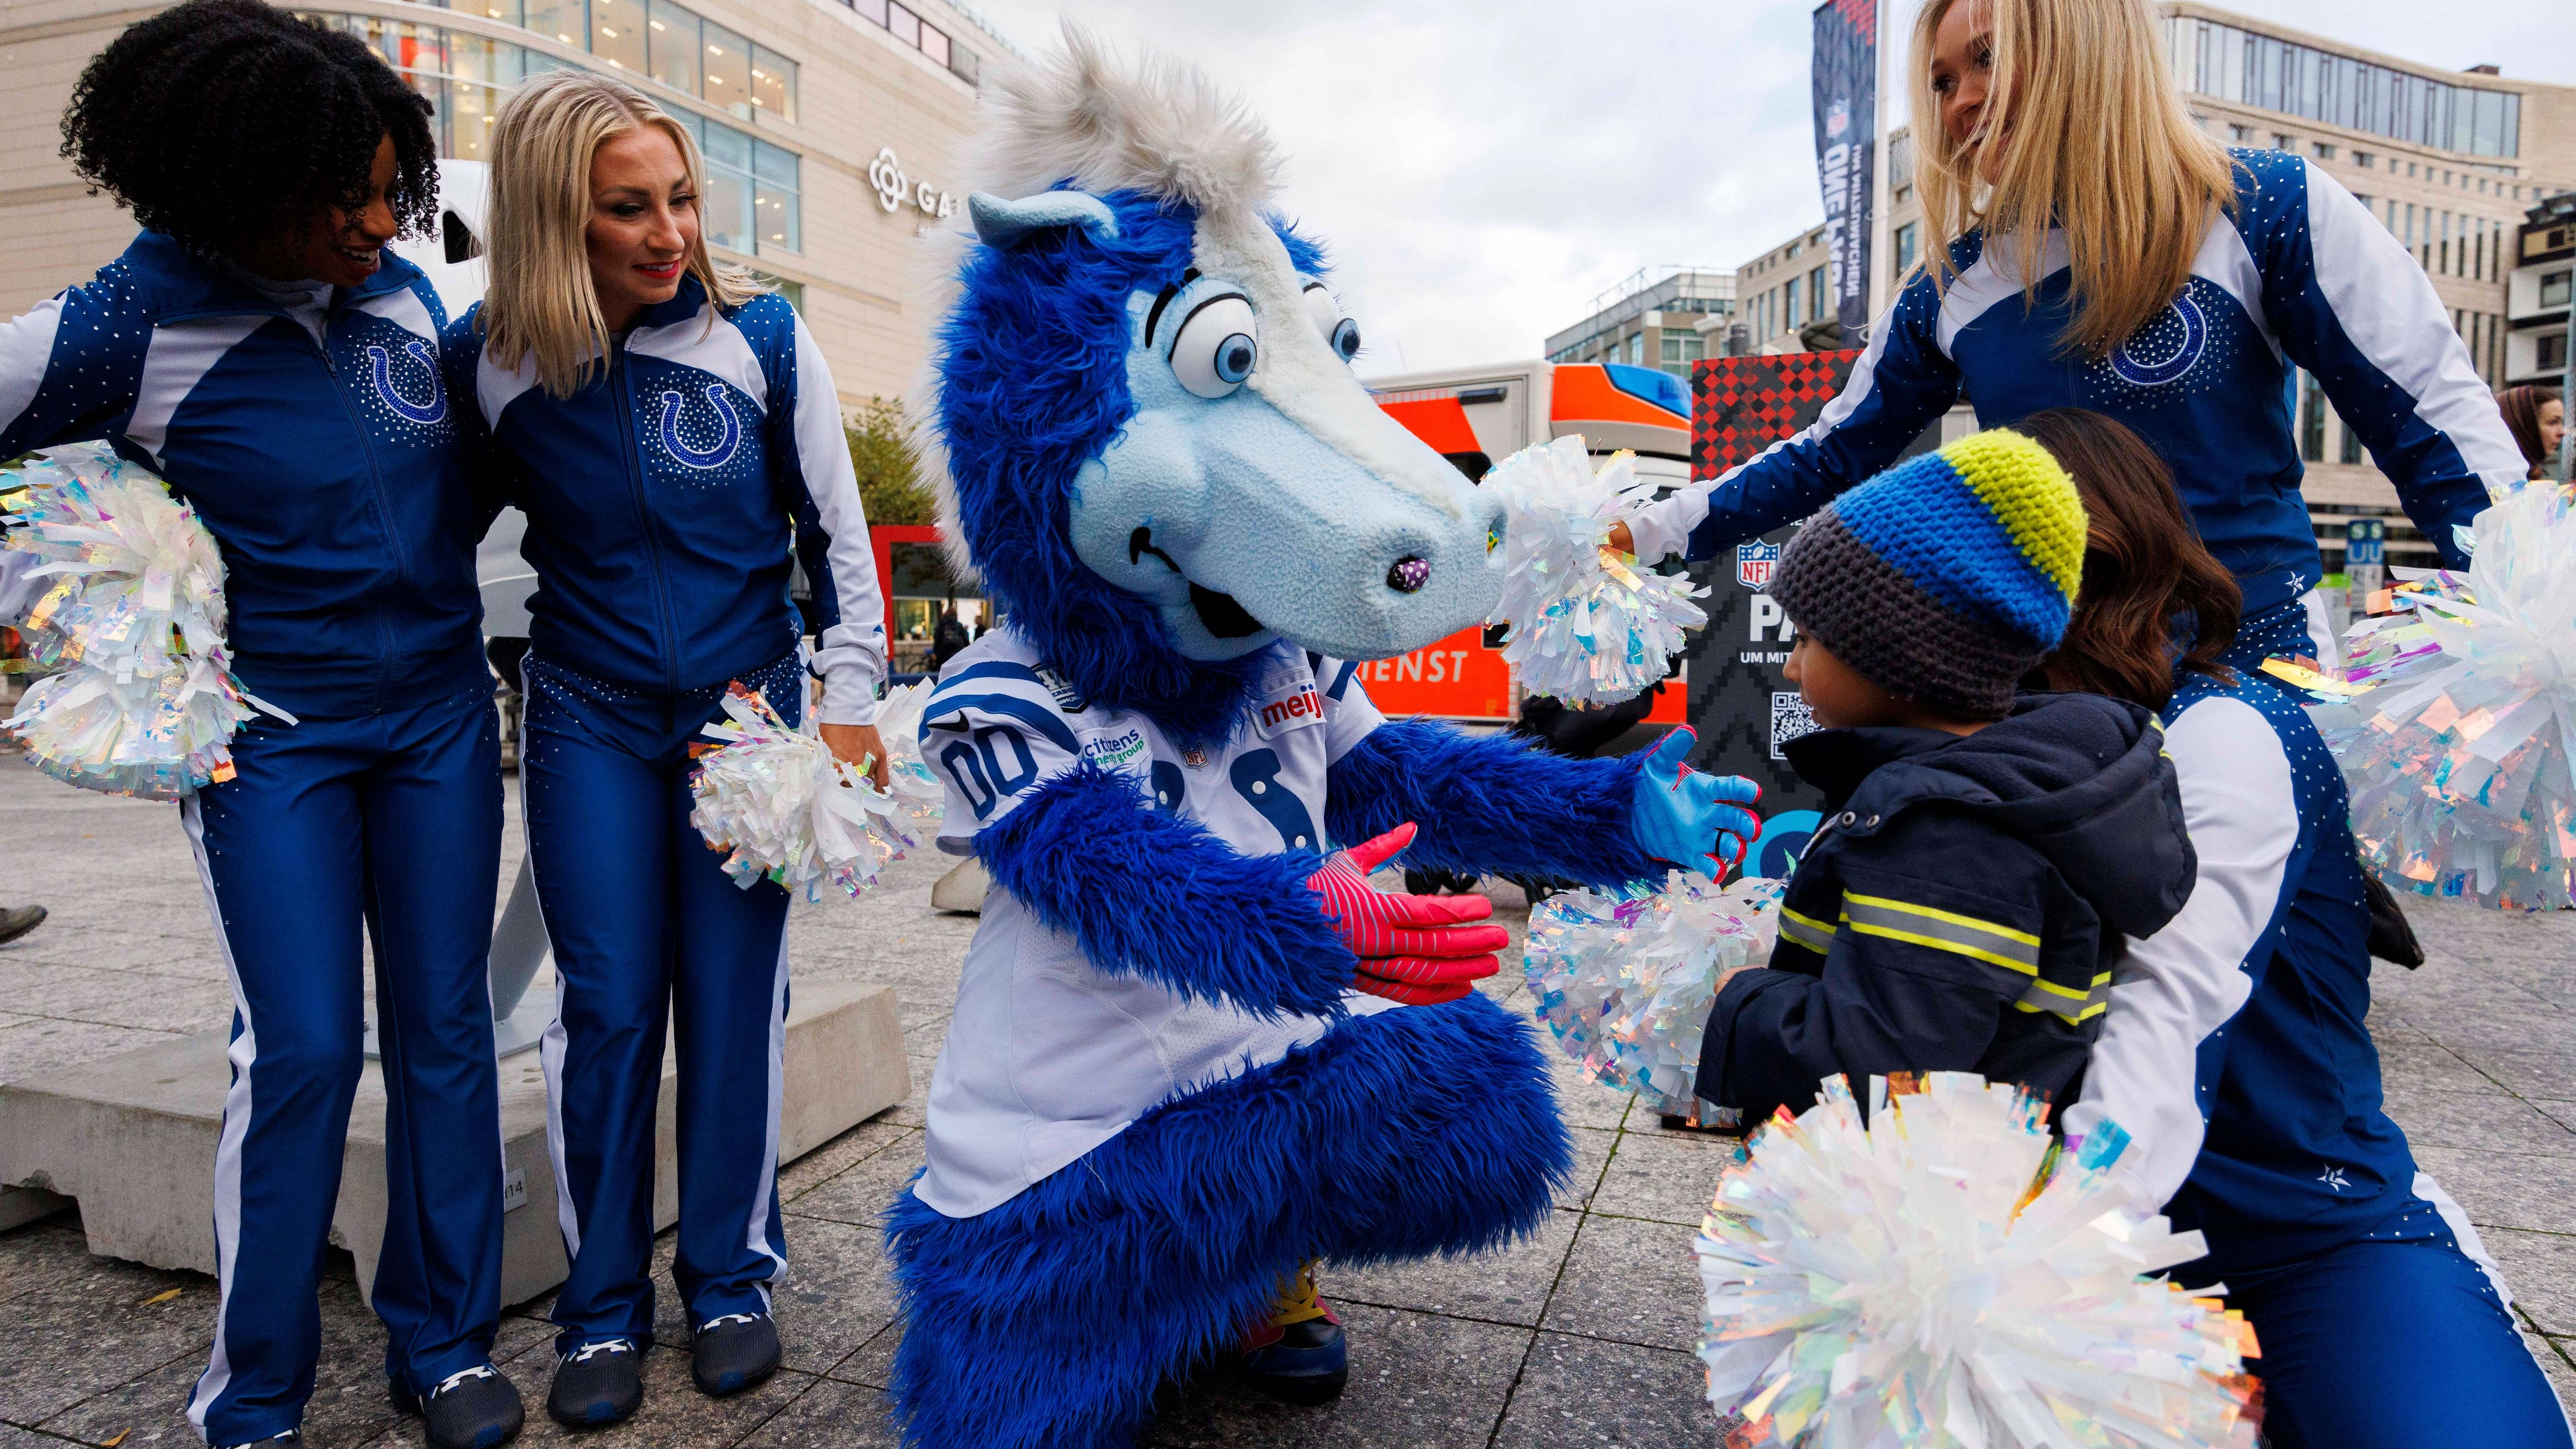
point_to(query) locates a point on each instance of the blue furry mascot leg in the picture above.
(1051, 1319)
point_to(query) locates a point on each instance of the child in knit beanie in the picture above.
(1983, 854)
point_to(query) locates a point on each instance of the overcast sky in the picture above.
(1483, 169)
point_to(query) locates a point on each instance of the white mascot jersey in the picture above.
(1047, 1056)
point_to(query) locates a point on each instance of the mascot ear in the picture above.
(1001, 223)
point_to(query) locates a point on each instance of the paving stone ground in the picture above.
(1581, 1337)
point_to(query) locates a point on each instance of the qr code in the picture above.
(1790, 718)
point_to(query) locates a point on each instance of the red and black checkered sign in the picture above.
(1742, 405)
(1742, 708)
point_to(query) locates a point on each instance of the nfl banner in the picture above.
(1845, 83)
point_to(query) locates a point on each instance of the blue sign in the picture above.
(2365, 542)
(1783, 839)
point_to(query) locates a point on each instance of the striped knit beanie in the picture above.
(1946, 578)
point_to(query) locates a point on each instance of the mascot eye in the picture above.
(1339, 332)
(1214, 348)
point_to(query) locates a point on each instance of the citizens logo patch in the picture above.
(1118, 751)
(1295, 711)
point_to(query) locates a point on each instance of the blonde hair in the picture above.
(2093, 138)
(541, 300)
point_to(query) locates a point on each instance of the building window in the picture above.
(1820, 296)
(562, 19)
(907, 26)
(2284, 143)
(2351, 451)
(2240, 133)
(774, 198)
(773, 83)
(751, 203)
(2366, 160)
(2553, 351)
(1909, 237)
(1789, 290)
(2213, 58)
(1636, 349)
(2553, 287)
(617, 34)
(660, 41)
(673, 35)
(727, 63)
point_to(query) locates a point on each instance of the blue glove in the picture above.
(1684, 817)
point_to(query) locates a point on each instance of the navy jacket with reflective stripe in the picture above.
(1962, 907)
(328, 474)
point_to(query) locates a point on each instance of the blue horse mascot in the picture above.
(1161, 1100)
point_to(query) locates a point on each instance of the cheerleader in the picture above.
(2383, 1323)
(2091, 248)
(259, 348)
(675, 441)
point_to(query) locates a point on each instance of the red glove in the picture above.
(1414, 949)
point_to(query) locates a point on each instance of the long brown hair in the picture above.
(2147, 575)
(2521, 408)
(2085, 130)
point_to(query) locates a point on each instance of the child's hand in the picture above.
(1685, 818)
(1415, 949)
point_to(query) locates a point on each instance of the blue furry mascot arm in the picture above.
(1163, 898)
(1491, 805)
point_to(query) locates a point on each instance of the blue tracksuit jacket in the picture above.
(661, 497)
(2299, 273)
(1962, 908)
(327, 472)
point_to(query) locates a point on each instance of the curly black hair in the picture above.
(222, 121)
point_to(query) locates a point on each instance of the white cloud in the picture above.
(1482, 169)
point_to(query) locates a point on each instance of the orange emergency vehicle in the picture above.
(1478, 416)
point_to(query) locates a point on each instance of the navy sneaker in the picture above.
(601, 1382)
(291, 1439)
(731, 1353)
(474, 1408)
(1298, 1356)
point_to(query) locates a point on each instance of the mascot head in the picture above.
(1158, 458)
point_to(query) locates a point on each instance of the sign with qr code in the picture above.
(1790, 718)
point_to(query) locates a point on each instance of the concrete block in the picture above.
(132, 1138)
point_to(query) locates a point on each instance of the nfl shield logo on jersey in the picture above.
(1754, 563)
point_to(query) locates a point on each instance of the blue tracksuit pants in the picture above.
(648, 930)
(2398, 1340)
(393, 820)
